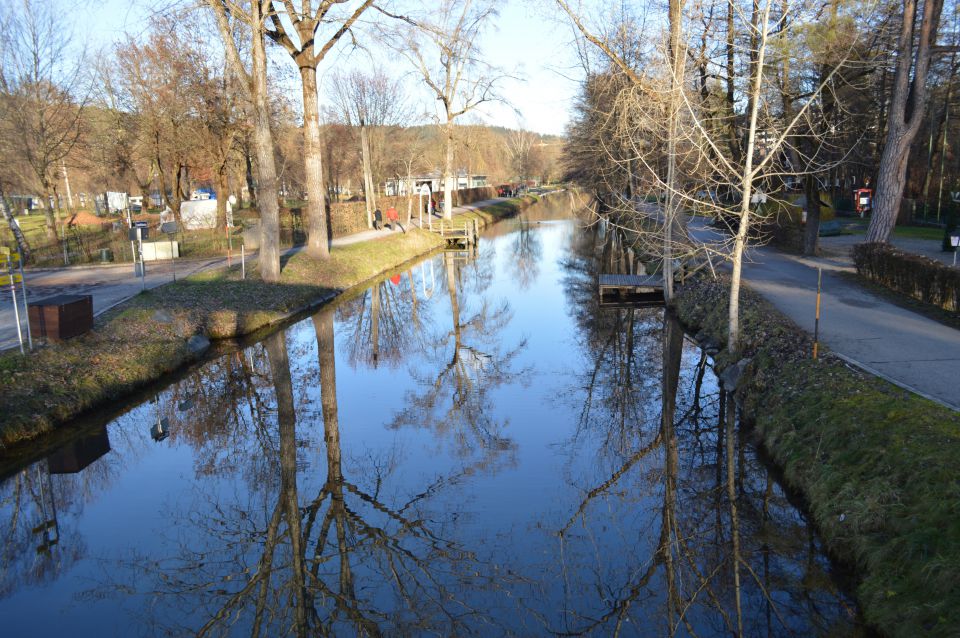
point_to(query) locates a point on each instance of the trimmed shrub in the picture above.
(913, 275)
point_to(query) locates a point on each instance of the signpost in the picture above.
(138, 233)
(8, 261)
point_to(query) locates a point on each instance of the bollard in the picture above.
(816, 321)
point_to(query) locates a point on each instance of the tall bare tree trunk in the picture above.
(369, 196)
(907, 107)
(811, 232)
(248, 175)
(223, 193)
(48, 214)
(318, 242)
(448, 174)
(746, 182)
(266, 168)
(677, 58)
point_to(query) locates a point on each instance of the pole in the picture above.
(143, 266)
(816, 321)
(16, 306)
(66, 181)
(173, 262)
(243, 261)
(26, 307)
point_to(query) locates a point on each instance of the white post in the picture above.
(66, 180)
(26, 306)
(243, 261)
(143, 266)
(16, 305)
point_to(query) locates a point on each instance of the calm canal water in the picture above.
(471, 447)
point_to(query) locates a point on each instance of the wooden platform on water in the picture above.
(631, 290)
(457, 235)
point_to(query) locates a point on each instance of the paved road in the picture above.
(907, 348)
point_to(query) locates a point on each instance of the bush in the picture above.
(919, 277)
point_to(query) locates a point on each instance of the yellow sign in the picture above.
(8, 257)
(5, 279)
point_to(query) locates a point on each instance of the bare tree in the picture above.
(519, 145)
(368, 101)
(301, 42)
(43, 88)
(694, 155)
(254, 85)
(908, 104)
(443, 48)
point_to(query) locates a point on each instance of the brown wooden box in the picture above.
(61, 317)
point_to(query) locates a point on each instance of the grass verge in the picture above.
(147, 336)
(879, 467)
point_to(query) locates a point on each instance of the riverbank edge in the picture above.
(877, 465)
(160, 331)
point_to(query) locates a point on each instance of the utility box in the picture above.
(61, 317)
(160, 250)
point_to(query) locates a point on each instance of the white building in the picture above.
(397, 186)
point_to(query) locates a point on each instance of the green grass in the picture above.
(859, 227)
(878, 466)
(919, 232)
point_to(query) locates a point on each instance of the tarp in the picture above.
(116, 202)
(202, 213)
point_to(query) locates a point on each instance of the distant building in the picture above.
(397, 186)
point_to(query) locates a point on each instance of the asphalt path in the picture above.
(882, 338)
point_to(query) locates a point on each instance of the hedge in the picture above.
(919, 277)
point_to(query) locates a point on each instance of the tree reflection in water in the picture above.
(718, 549)
(632, 507)
(472, 363)
(344, 561)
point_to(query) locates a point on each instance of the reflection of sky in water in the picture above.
(458, 495)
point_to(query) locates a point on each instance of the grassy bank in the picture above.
(150, 335)
(878, 466)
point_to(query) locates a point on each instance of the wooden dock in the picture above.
(631, 290)
(461, 235)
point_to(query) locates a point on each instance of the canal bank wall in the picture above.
(879, 467)
(164, 329)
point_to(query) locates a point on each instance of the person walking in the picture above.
(377, 220)
(394, 218)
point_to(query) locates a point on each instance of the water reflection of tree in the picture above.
(294, 556)
(526, 250)
(381, 323)
(727, 553)
(618, 345)
(471, 364)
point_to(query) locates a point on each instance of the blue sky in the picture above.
(528, 40)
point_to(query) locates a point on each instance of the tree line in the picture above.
(174, 106)
(734, 107)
